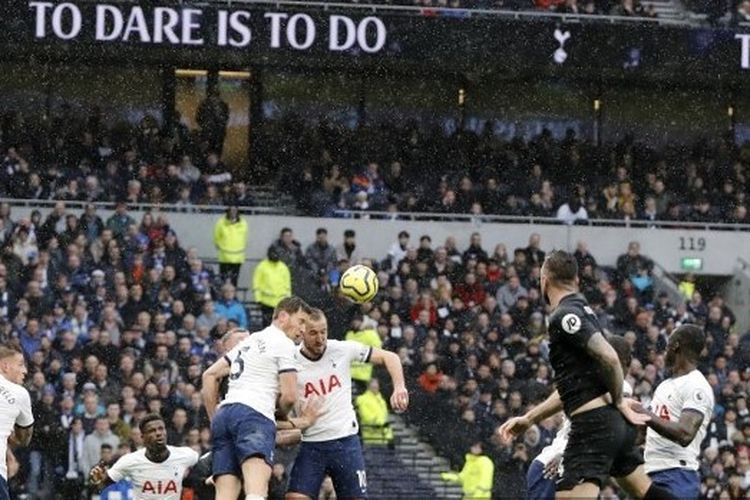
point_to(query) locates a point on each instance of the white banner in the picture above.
(108, 23)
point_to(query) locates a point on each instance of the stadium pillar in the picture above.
(168, 94)
(462, 106)
(362, 103)
(256, 119)
(597, 128)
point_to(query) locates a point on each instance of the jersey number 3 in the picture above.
(238, 366)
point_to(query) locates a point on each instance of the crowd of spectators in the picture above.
(117, 319)
(71, 157)
(381, 168)
(328, 168)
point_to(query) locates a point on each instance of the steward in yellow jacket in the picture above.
(272, 282)
(477, 475)
(362, 372)
(373, 416)
(230, 240)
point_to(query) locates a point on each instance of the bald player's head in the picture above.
(233, 337)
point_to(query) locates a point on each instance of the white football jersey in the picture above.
(256, 364)
(15, 409)
(330, 378)
(690, 391)
(557, 446)
(152, 481)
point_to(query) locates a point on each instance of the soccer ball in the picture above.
(359, 284)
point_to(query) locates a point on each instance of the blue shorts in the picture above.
(238, 433)
(539, 487)
(341, 459)
(681, 483)
(4, 490)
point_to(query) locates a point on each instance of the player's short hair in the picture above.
(228, 335)
(622, 348)
(316, 314)
(7, 351)
(291, 305)
(151, 417)
(691, 339)
(561, 266)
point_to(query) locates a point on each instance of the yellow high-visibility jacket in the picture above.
(230, 240)
(272, 282)
(475, 478)
(687, 289)
(363, 371)
(373, 417)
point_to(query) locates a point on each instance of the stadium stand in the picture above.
(118, 317)
(346, 171)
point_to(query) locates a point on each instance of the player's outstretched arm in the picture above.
(400, 396)
(515, 426)
(99, 478)
(210, 389)
(287, 393)
(681, 432)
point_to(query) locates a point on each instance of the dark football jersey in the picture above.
(578, 376)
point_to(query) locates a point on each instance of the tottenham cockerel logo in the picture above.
(559, 56)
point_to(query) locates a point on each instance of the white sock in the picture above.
(254, 497)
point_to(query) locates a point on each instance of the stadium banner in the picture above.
(444, 40)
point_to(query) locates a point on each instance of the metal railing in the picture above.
(530, 219)
(396, 216)
(149, 207)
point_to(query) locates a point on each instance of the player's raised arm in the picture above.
(400, 396)
(211, 378)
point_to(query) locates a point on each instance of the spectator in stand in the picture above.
(229, 308)
(572, 211)
(120, 221)
(290, 251)
(348, 249)
(230, 240)
(631, 264)
(320, 254)
(508, 294)
(475, 250)
(398, 250)
(92, 443)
